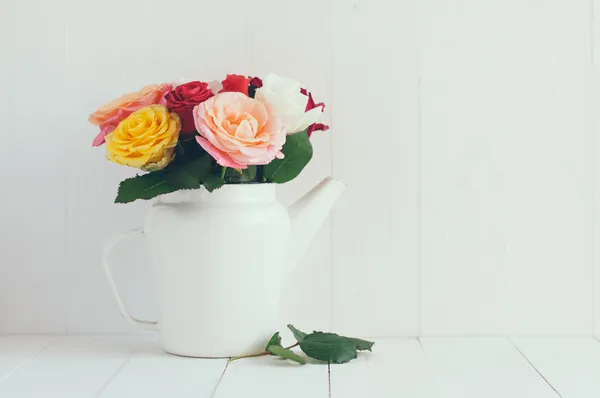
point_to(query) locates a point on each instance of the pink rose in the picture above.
(238, 130)
(107, 117)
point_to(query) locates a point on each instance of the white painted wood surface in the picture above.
(115, 367)
(396, 368)
(268, 377)
(550, 227)
(375, 151)
(506, 188)
(150, 373)
(33, 289)
(73, 367)
(596, 149)
(463, 166)
(482, 367)
(18, 350)
(465, 131)
(571, 365)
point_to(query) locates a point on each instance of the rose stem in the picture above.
(262, 354)
(223, 170)
(260, 173)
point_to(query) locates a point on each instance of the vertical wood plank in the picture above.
(550, 199)
(290, 47)
(596, 154)
(33, 161)
(163, 44)
(506, 232)
(375, 152)
(464, 182)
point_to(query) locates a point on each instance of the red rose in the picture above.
(255, 84)
(184, 98)
(235, 83)
(317, 127)
(312, 105)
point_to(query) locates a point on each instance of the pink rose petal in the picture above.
(219, 156)
(99, 140)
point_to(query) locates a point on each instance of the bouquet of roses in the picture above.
(242, 130)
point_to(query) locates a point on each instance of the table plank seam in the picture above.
(133, 352)
(27, 361)
(534, 368)
(421, 345)
(114, 376)
(329, 378)
(214, 393)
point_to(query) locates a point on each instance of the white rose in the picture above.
(284, 96)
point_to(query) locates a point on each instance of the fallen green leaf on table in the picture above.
(326, 347)
(297, 334)
(361, 345)
(275, 341)
(285, 353)
(330, 347)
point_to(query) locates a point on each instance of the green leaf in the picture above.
(200, 166)
(329, 347)
(298, 152)
(361, 345)
(178, 175)
(287, 354)
(182, 178)
(188, 175)
(212, 182)
(144, 187)
(297, 333)
(275, 341)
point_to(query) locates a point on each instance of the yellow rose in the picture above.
(145, 139)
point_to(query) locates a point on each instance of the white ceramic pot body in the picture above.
(220, 261)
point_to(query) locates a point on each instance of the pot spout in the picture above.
(308, 214)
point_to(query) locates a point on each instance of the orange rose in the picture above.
(111, 114)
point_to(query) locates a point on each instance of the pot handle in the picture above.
(108, 247)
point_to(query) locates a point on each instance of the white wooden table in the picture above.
(131, 367)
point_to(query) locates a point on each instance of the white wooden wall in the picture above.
(465, 130)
